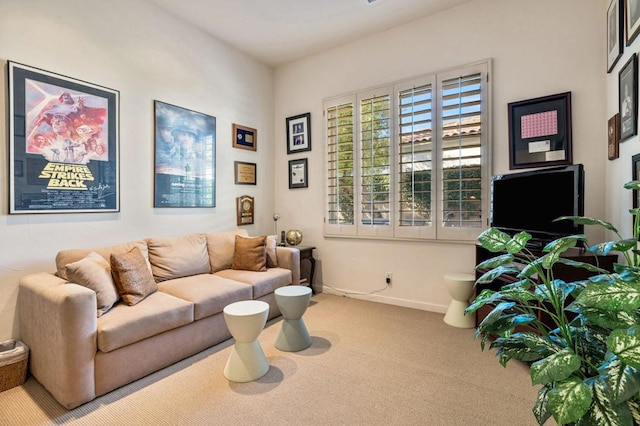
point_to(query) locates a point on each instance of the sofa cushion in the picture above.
(262, 282)
(64, 257)
(124, 325)
(221, 246)
(272, 243)
(208, 293)
(177, 257)
(132, 277)
(249, 254)
(93, 271)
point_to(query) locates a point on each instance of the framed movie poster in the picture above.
(63, 144)
(185, 157)
(540, 132)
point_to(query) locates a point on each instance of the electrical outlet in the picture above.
(389, 276)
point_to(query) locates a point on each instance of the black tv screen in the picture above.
(530, 201)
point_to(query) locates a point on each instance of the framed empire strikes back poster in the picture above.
(63, 144)
(185, 157)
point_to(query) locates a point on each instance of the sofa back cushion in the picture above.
(249, 254)
(65, 257)
(176, 257)
(221, 246)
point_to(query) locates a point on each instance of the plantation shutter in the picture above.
(375, 163)
(463, 153)
(340, 149)
(415, 159)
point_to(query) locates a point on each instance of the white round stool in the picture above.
(245, 321)
(293, 301)
(460, 287)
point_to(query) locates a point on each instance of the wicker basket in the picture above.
(13, 364)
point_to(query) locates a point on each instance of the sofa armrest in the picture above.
(289, 258)
(58, 322)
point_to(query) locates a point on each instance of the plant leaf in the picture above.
(518, 242)
(569, 400)
(491, 275)
(604, 411)
(607, 247)
(626, 345)
(622, 380)
(609, 319)
(485, 296)
(541, 407)
(554, 368)
(561, 245)
(494, 262)
(634, 184)
(617, 296)
(493, 240)
(634, 407)
(583, 265)
(583, 220)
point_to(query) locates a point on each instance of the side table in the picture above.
(306, 254)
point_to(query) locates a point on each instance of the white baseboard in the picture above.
(379, 298)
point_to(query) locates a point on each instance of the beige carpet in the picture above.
(369, 364)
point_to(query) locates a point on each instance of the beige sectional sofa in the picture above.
(78, 353)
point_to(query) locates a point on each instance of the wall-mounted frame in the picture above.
(632, 19)
(540, 132)
(244, 173)
(299, 133)
(298, 173)
(613, 137)
(635, 170)
(244, 137)
(185, 157)
(63, 144)
(614, 34)
(244, 210)
(628, 98)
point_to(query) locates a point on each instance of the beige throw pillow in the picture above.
(132, 276)
(249, 254)
(272, 259)
(93, 272)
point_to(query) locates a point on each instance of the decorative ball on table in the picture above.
(294, 237)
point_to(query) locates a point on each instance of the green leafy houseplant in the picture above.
(588, 362)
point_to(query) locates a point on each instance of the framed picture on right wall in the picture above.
(628, 98)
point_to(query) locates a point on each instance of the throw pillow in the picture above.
(132, 276)
(93, 272)
(272, 259)
(249, 254)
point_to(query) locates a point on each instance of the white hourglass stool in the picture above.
(293, 301)
(245, 321)
(460, 287)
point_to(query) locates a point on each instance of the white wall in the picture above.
(538, 48)
(146, 54)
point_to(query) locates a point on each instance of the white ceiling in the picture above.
(280, 31)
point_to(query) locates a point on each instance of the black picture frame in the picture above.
(185, 157)
(632, 19)
(628, 98)
(63, 144)
(635, 173)
(299, 133)
(244, 173)
(614, 33)
(540, 132)
(298, 173)
(613, 137)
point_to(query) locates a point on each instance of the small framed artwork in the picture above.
(298, 174)
(299, 133)
(244, 210)
(245, 173)
(635, 168)
(614, 34)
(613, 141)
(632, 21)
(628, 98)
(540, 132)
(244, 137)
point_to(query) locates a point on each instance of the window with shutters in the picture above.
(411, 160)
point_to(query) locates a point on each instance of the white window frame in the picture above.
(437, 231)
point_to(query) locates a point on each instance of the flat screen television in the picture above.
(530, 201)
